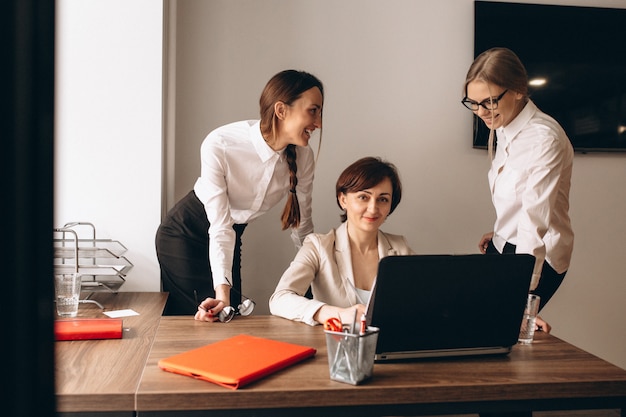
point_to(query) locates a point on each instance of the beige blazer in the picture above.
(324, 263)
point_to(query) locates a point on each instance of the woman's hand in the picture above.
(484, 242)
(209, 309)
(542, 325)
(345, 315)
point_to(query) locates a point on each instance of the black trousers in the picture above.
(549, 282)
(182, 246)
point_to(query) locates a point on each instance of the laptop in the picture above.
(430, 306)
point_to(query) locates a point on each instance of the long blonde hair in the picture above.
(502, 67)
(286, 86)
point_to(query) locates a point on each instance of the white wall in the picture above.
(108, 125)
(393, 72)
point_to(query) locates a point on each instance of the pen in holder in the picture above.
(351, 355)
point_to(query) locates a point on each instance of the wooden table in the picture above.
(103, 375)
(550, 374)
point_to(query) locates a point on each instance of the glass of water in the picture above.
(527, 329)
(67, 293)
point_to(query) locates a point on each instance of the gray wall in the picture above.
(393, 73)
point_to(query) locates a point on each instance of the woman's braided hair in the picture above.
(291, 212)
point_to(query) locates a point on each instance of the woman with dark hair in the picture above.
(247, 167)
(340, 267)
(530, 171)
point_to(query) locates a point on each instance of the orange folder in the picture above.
(85, 329)
(236, 361)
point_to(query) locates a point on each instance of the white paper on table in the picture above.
(121, 313)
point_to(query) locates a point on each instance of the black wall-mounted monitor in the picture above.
(579, 51)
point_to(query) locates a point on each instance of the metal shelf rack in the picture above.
(101, 262)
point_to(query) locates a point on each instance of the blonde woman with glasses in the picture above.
(531, 167)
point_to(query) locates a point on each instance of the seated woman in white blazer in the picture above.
(340, 267)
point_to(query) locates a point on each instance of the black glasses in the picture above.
(244, 309)
(489, 104)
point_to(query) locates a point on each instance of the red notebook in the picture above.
(236, 361)
(84, 329)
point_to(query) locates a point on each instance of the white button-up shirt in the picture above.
(241, 178)
(530, 180)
